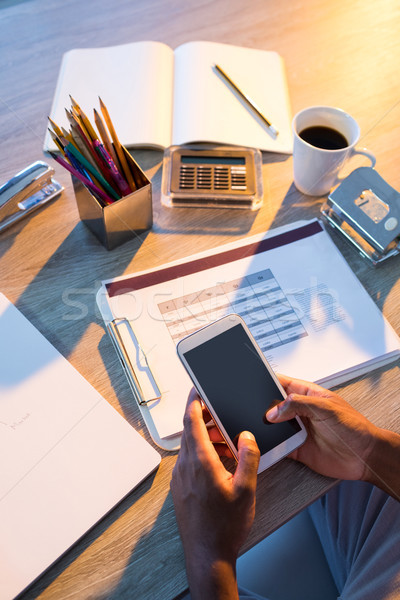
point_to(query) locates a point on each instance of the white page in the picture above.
(67, 456)
(339, 329)
(206, 109)
(133, 80)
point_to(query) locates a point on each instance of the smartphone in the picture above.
(238, 386)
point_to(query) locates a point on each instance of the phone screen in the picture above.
(239, 387)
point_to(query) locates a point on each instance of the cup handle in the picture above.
(354, 151)
(366, 153)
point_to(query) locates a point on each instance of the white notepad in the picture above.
(157, 96)
(67, 457)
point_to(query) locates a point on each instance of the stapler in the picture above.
(27, 191)
(366, 210)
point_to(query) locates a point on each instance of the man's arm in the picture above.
(214, 509)
(383, 463)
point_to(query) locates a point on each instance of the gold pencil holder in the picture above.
(122, 220)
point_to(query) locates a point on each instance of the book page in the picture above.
(133, 80)
(207, 109)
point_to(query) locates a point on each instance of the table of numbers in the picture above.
(257, 298)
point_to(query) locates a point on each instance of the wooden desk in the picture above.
(342, 53)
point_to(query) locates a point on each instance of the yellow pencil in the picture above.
(105, 137)
(78, 119)
(80, 145)
(118, 148)
(56, 140)
(66, 134)
(87, 124)
(56, 128)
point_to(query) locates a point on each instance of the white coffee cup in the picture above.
(315, 168)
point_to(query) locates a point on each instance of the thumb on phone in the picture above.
(295, 405)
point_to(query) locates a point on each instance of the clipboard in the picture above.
(145, 390)
(300, 313)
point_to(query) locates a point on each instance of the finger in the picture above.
(195, 434)
(193, 395)
(206, 415)
(223, 450)
(299, 386)
(214, 434)
(249, 458)
(311, 407)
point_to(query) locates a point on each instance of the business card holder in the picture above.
(124, 219)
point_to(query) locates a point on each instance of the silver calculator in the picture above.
(212, 177)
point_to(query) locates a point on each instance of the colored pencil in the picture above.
(88, 126)
(92, 170)
(116, 176)
(55, 127)
(118, 147)
(97, 191)
(105, 137)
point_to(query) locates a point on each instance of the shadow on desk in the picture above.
(205, 221)
(61, 299)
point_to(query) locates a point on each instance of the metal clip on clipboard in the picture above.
(27, 191)
(127, 363)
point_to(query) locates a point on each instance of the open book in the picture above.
(159, 97)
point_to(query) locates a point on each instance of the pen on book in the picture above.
(248, 100)
(97, 191)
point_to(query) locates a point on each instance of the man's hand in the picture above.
(340, 439)
(214, 509)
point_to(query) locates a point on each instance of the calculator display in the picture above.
(213, 160)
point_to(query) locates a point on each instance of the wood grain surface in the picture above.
(339, 53)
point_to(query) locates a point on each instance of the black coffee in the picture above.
(324, 137)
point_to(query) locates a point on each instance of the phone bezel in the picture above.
(209, 332)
